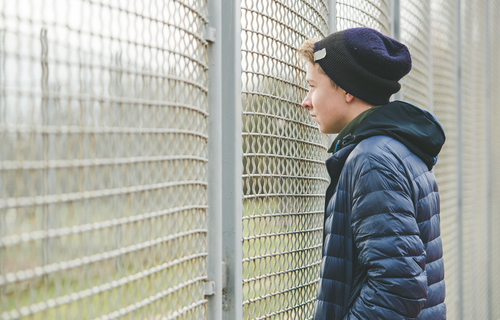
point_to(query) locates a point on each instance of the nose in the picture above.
(307, 102)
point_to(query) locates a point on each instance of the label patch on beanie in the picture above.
(318, 55)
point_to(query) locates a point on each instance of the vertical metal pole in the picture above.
(232, 192)
(489, 185)
(214, 191)
(430, 81)
(459, 160)
(332, 27)
(3, 106)
(332, 16)
(396, 31)
(396, 18)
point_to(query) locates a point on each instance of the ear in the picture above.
(348, 97)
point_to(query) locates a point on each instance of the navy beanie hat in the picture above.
(364, 63)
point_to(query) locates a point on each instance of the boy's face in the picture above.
(326, 103)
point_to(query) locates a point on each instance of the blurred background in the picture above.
(156, 163)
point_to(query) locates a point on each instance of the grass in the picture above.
(275, 249)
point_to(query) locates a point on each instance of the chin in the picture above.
(325, 131)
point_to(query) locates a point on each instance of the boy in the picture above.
(382, 251)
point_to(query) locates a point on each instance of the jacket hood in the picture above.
(416, 128)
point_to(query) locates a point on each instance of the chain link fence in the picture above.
(474, 155)
(284, 176)
(371, 13)
(416, 87)
(444, 56)
(103, 165)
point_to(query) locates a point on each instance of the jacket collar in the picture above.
(416, 128)
(345, 135)
(335, 163)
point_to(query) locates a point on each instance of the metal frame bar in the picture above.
(459, 160)
(430, 80)
(396, 18)
(332, 27)
(214, 190)
(396, 31)
(489, 184)
(232, 153)
(332, 16)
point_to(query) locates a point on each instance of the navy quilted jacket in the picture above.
(382, 251)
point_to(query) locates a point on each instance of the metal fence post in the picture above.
(232, 192)
(396, 31)
(395, 16)
(332, 16)
(430, 82)
(459, 160)
(332, 27)
(214, 190)
(488, 159)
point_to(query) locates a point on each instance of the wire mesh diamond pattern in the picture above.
(416, 87)
(103, 163)
(474, 156)
(283, 169)
(363, 13)
(444, 39)
(103, 117)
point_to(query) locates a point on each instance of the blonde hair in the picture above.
(306, 52)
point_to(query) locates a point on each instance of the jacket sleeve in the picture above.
(388, 245)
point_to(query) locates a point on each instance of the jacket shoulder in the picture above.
(385, 153)
(378, 145)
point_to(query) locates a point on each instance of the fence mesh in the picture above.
(102, 166)
(372, 14)
(468, 176)
(103, 123)
(494, 25)
(474, 221)
(444, 45)
(416, 87)
(481, 161)
(284, 177)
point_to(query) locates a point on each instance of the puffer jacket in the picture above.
(382, 250)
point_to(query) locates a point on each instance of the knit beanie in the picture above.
(364, 63)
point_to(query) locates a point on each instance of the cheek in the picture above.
(314, 96)
(318, 99)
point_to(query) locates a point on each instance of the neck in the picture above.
(357, 107)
